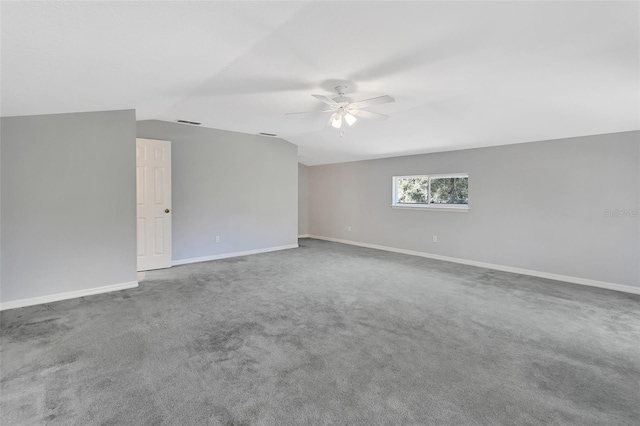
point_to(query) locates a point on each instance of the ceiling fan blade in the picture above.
(307, 112)
(368, 114)
(326, 100)
(373, 101)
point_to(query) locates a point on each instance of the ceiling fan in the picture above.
(345, 110)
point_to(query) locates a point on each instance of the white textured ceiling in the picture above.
(464, 74)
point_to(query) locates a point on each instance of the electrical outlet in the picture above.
(349, 228)
(217, 238)
(435, 238)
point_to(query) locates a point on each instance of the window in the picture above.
(450, 191)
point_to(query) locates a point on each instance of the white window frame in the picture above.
(426, 206)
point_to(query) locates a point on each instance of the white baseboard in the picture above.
(575, 280)
(228, 255)
(68, 295)
(303, 236)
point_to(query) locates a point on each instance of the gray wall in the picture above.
(539, 206)
(241, 187)
(68, 202)
(303, 199)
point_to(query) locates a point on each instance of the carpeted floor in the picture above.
(326, 334)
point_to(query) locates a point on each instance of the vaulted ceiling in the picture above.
(464, 74)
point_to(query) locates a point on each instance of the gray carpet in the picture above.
(326, 334)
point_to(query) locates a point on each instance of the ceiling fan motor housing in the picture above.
(343, 100)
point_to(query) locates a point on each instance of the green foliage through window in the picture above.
(432, 190)
(413, 190)
(449, 190)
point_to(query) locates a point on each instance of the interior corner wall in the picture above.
(303, 199)
(240, 187)
(566, 207)
(68, 203)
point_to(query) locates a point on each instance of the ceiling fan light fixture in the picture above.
(336, 120)
(350, 119)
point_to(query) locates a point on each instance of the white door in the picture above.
(153, 193)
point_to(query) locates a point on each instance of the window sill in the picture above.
(447, 208)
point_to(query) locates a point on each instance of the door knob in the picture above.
(166, 210)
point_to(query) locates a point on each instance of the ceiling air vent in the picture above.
(267, 134)
(189, 122)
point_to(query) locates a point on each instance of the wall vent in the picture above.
(267, 134)
(189, 122)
